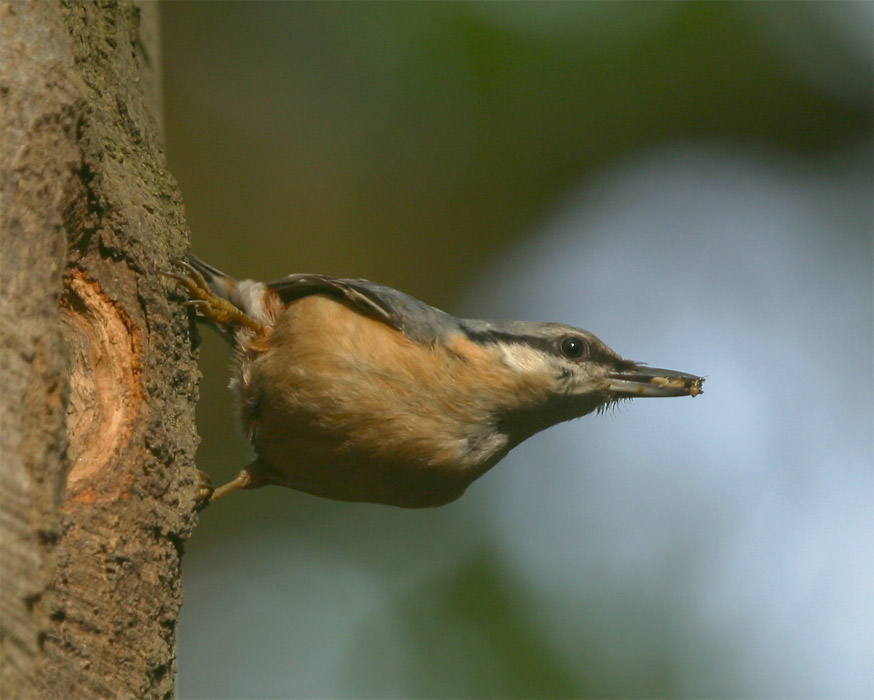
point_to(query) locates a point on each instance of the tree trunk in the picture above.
(97, 483)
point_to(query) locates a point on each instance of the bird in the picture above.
(354, 391)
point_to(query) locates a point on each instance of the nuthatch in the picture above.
(354, 391)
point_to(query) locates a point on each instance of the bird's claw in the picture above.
(204, 490)
(208, 304)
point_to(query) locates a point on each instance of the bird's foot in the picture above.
(208, 304)
(204, 490)
(207, 494)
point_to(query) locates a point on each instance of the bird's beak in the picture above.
(651, 381)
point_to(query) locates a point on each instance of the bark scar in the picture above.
(106, 391)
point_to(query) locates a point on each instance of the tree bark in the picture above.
(97, 441)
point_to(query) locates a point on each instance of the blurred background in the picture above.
(690, 181)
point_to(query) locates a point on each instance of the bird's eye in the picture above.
(574, 347)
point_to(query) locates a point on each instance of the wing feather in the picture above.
(360, 294)
(418, 320)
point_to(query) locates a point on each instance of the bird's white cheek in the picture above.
(525, 360)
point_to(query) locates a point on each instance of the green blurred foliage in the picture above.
(410, 143)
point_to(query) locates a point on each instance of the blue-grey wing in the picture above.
(418, 320)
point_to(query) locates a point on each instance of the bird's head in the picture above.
(557, 372)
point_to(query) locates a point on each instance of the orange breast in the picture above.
(345, 407)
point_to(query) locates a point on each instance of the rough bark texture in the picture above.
(98, 382)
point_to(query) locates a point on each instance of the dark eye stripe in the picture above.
(549, 345)
(542, 344)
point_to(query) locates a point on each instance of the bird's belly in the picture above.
(345, 472)
(345, 407)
